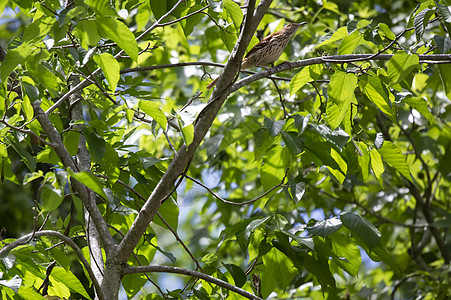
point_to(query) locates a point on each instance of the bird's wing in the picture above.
(259, 46)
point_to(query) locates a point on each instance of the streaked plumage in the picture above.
(268, 50)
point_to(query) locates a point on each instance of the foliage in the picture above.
(332, 184)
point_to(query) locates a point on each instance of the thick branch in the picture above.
(175, 270)
(166, 185)
(341, 59)
(67, 161)
(25, 239)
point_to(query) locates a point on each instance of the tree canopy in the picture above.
(325, 176)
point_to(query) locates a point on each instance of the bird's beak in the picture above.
(302, 24)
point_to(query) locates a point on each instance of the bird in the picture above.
(268, 50)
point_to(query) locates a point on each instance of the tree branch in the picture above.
(24, 239)
(175, 270)
(445, 58)
(186, 153)
(238, 203)
(81, 189)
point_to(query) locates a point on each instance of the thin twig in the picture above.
(236, 203)
(176, 270)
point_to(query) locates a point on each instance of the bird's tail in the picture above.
(213, 83)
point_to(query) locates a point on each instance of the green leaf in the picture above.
(338, 136)
(401, 65)
(362, 228)
(170, 212)
(88, 33)
(344, 248)
(102, 7)
(377, 165)
(188, 24)
(421, 106)
(237, 273)
(262, 141)
(299, 80)
(274, 127)
(341, 88)
(188, 134)
(27, 158)
(37, 30)
(444, 12)
(387, 258)
(341, 92)
(443, 43)
(273, 169)
(27, 292)
(89, 180)
(377, 92)
(394, 157)
(333, 37)
(70, 13)
(385, 30)
(119, 33)
(301, 122)
(31, 91)
(13, 58)
(351, 42)
(159, 8)
(71, 140)
(96, 145)
(324, 228)
(297, 190)
(281, 268)
(153, 110)
(364, 161)
(307, 74)
(420, 22)
(133, 283)
(233, 12)
(234, 135)
(320, 269)
(110, 68)
(293, 142)
(444, 70)
(51, 197)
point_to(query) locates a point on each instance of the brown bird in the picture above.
(268, 50)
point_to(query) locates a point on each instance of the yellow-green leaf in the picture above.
(350, 42)
(13, 58)
(88, 33)
(153, 110)
(110, 68)
(394, 157)
(273, 169)
(299, 80)
(119, 33)
(378, 93)
(377, 165)
(401, 65)
(336, 36)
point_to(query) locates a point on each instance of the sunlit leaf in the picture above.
(401, 65)
(394, 157)
(119, 33)
(91, 181)
(110, 68)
